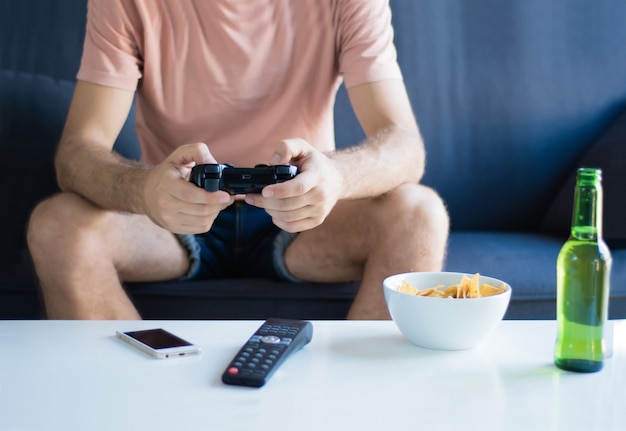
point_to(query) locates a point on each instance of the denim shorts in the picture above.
(242, 243)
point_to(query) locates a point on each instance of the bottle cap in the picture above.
(589, 175)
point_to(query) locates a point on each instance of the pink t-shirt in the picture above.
(239, 75)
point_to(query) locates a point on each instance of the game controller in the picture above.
(214, 177)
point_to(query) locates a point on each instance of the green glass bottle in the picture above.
(583, 273)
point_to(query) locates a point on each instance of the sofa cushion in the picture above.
(242, 299)
(33, 110)
(527, 261)
(608, 152)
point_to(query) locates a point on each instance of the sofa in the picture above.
(511, 98)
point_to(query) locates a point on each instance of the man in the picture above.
(241, 82)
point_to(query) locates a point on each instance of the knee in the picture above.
(54, 224)
(417, 209)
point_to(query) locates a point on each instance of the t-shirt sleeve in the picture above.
(365, 42)
(111, 55)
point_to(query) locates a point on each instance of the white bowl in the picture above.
(444, 323)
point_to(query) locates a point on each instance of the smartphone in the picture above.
(159, 343)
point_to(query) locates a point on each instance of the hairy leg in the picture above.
(83, 253)
(370, 239)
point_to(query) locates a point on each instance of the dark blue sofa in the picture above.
(511, 97)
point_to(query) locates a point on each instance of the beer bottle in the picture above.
(583, 272)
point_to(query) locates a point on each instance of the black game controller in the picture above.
(214, 177)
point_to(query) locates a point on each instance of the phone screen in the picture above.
(158, 338)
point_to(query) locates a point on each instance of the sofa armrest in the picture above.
(608, 152)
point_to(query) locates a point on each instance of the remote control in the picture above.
(214, 177)
(266, 350)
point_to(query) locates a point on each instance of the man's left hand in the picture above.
(305, 201)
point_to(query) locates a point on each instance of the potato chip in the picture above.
(488, 290)
(467, 288)
(462, 287)
(433, 291)
(407, 288)
(452, 291)
(474, 289)
(426, 292)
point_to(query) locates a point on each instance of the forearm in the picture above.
(385, 160)
(100, 175)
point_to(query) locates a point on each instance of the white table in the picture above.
(63, 375)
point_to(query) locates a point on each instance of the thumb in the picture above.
(289, 150)
(190, 155)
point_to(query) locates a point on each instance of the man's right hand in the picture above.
(174, 203)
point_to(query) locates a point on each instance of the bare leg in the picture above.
(368, 240)
(82, 253)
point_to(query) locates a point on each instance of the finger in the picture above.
(189, 218)
(285, 204)
(291, 216)
(301, 184)
(296, 226)
(191, 154)
(192, 225)
(187, 193)
(290, 150)
(193, 209)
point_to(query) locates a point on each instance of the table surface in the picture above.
(354, 375)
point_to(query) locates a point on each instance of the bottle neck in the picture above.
(587, 214)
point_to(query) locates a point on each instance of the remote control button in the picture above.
(233, 371)
(271, 339)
